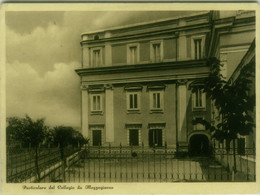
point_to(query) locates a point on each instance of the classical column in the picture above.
(84, 110)
(181, 110)
(109, 114)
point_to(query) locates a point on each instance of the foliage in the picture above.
(233, 101)
(29, 133)
(77, 139)
(26, 130)
(64, 136)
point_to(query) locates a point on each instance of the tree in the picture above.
(232, 101)
(78, 140)
(29, 132)
(64, 136)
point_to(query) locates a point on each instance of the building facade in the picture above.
(136, 79)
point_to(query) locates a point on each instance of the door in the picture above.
(133, 137)
(96, 137)
(199, 145)
(155, 137)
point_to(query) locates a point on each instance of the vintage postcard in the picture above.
(133, 98)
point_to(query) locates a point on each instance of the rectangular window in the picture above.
(133, 55)
(96, 103)
(198, 49)
(133, 103)
(199, 99)
(133, 137)
(96, 58)
(157, 52)
(156, 100)
(198, 102)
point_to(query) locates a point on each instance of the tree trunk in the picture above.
(63, 161)
(37, 164)
(234, 155)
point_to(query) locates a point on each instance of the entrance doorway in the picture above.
(155, 137)
(96, 137)
(199, 145)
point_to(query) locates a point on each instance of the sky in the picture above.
(42, 52)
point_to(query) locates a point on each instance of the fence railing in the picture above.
(21, 162)
(131, 164)
(145, 164)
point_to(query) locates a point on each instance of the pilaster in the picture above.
(109, 113)
(85, 56)
(181, 110)
(182, 46)
(84, 110)
(108, 54)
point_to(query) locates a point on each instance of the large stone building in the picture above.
(136, 79)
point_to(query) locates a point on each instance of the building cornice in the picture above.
(143, 79)
(172, 31)
(140, 67)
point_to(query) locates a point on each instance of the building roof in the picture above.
(146, 23)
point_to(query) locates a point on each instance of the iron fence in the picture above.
(145, 164)
(21, 162)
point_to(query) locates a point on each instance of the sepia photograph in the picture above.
(130, 96)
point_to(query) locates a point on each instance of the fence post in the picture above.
(154, 163)
(143, 159)
(120, 162)
(165, 157)
(110, 161)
